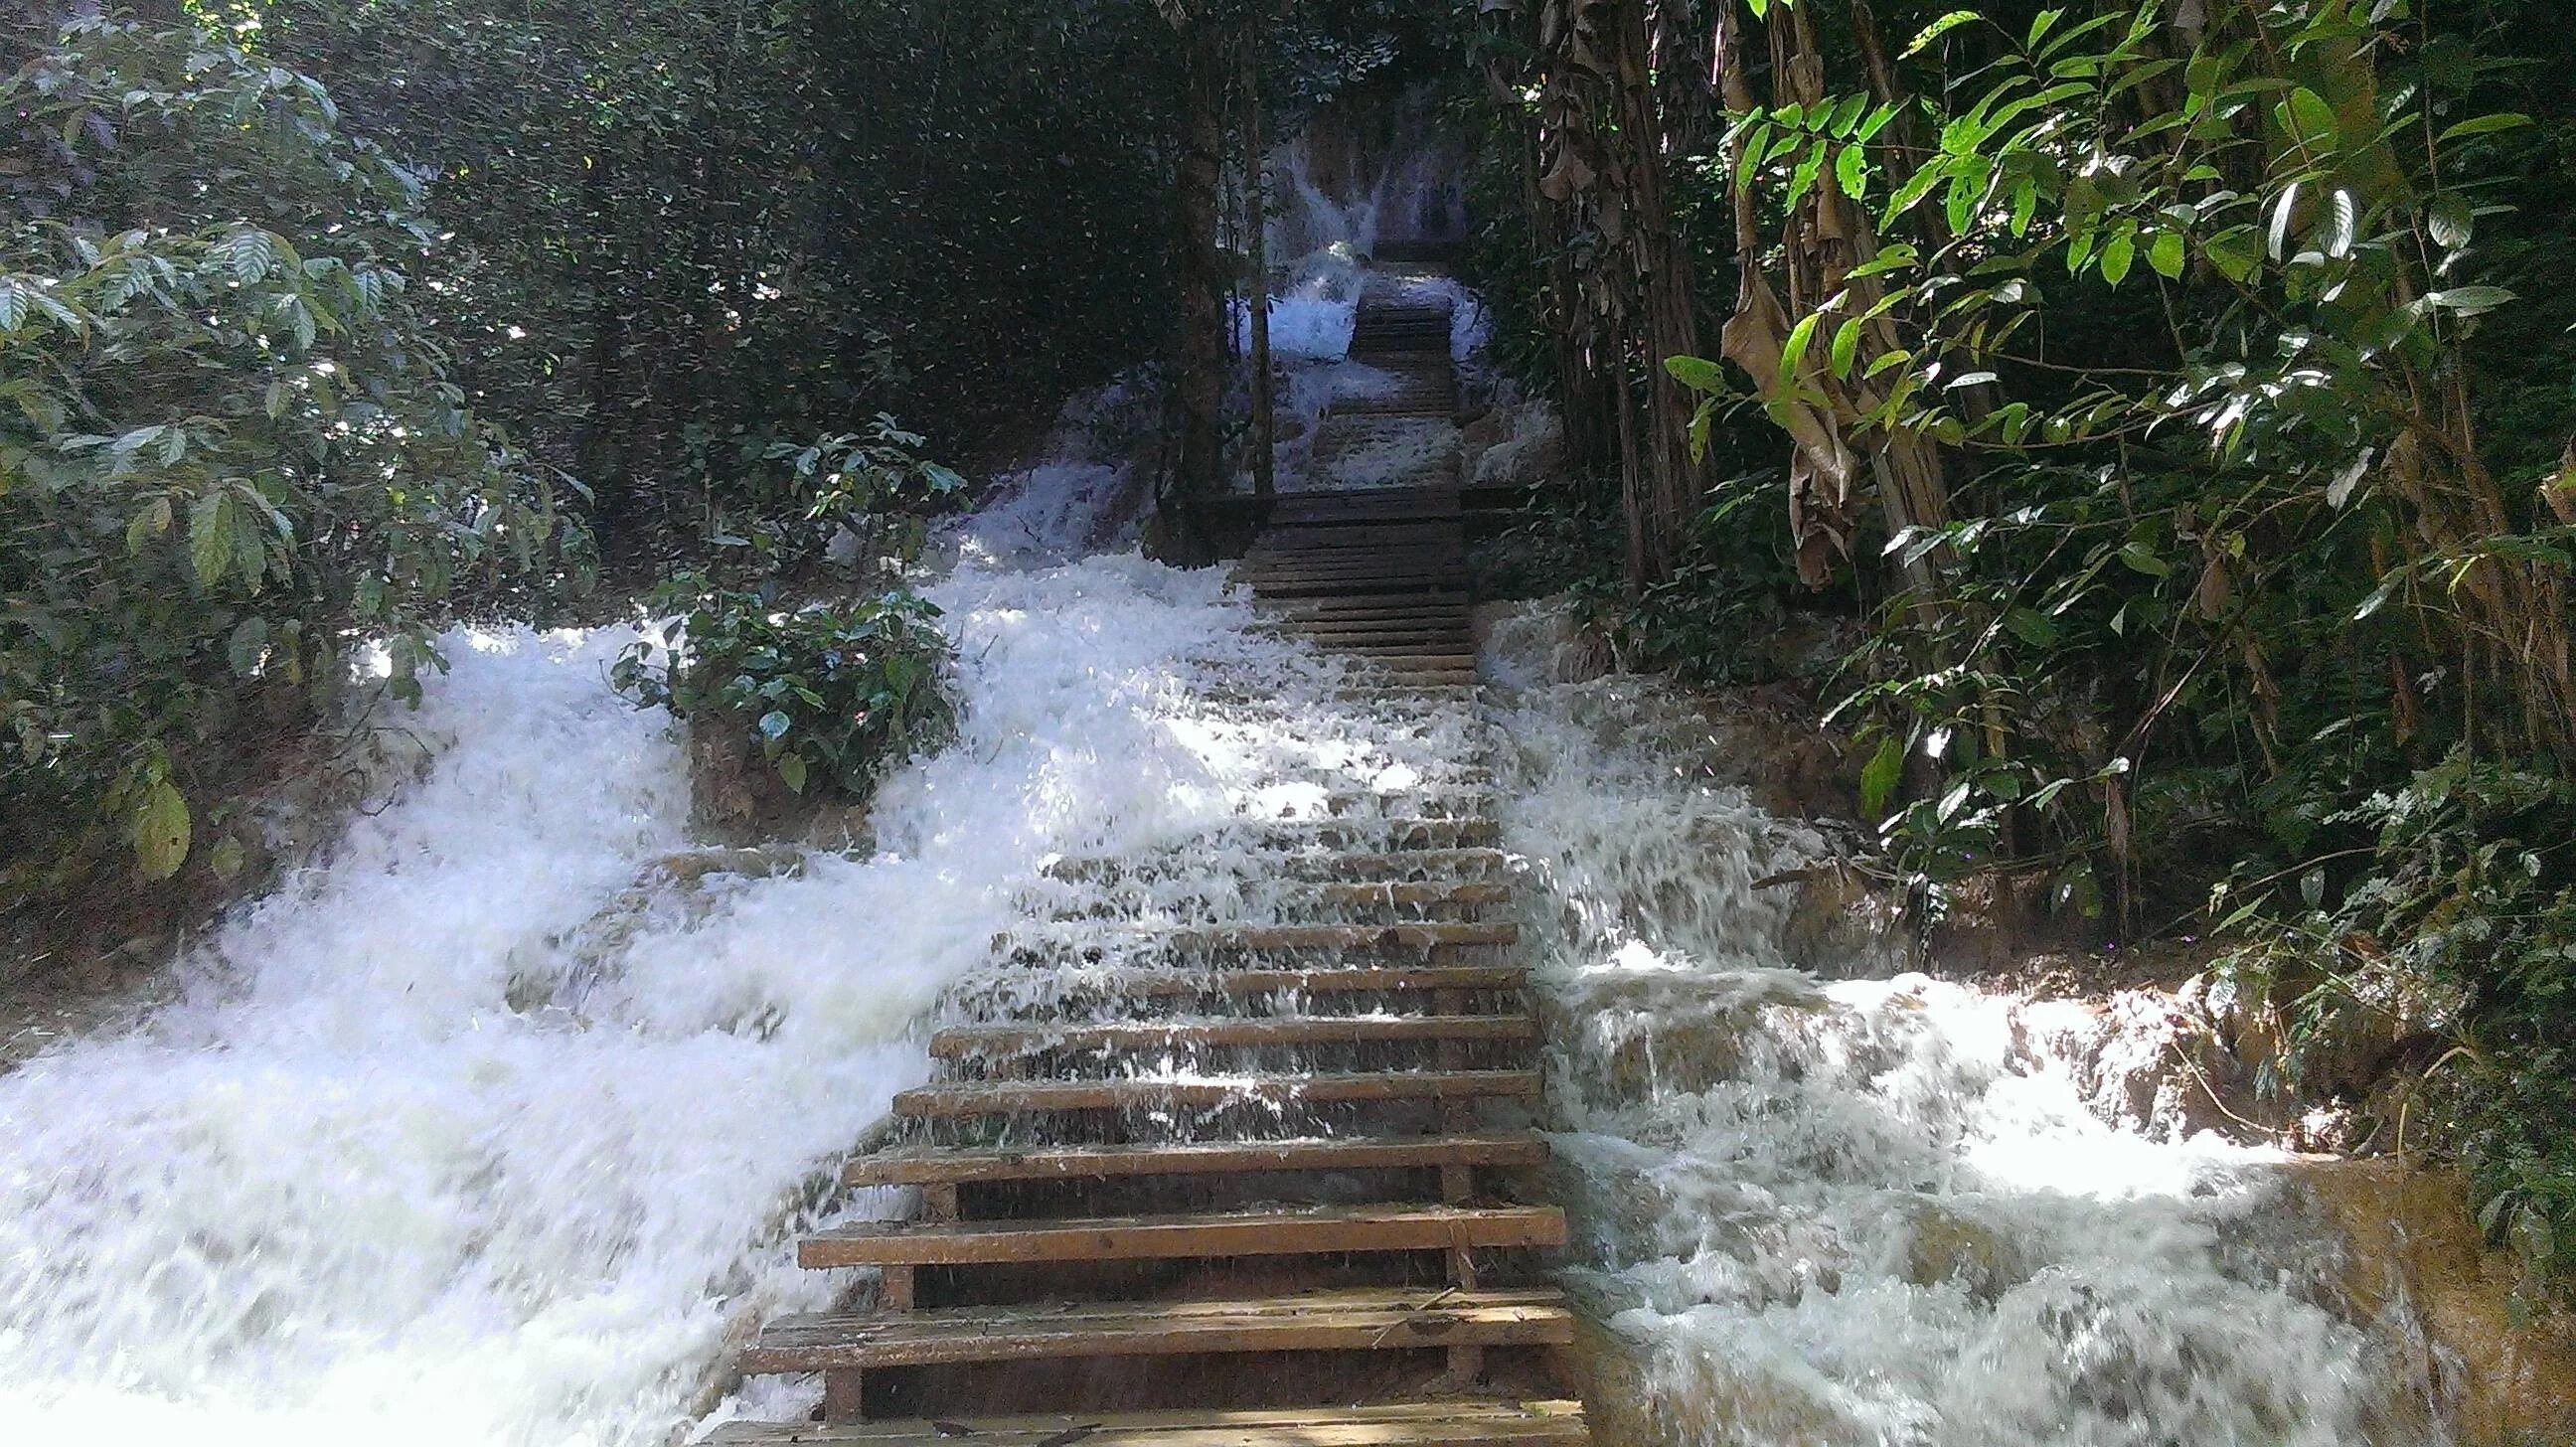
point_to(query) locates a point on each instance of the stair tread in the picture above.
(1354, 1320)
(1289, 1231)
(1435, 1423)
(936, 1165)
(961, 1040)
(1148, 982)
(998, 1097)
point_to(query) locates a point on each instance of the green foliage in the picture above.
(229, 445)
(867, 494)
(684, 234)
(2213, 363)
(828, 696)
(2460, 926)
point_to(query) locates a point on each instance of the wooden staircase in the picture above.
(1247, 1183)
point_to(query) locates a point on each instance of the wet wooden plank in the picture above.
(1364, 1320)
(960, 1041)
(1015, 1097)
(1453, 1423)
(926, 1165)
(1307, 1231)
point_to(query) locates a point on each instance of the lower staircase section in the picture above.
(1263, 1182)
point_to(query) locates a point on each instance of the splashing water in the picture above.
(1825, 1211)
(485, 1131)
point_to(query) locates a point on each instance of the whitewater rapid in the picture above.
(485, 1131)
(1849, 1207)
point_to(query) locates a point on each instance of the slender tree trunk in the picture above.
(1256, 171)
(1199, 347)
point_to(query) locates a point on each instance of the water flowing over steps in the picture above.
(1271, 1166)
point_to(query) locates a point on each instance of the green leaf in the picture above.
(2235, 253)
(2165, 254)
(247, 645)
(1938, 28)
(2143, 559)
(2118, 257)
(774, 725)
(160, 830)
(1697, 373)
(210, 536)
(2032, 627)
(1851, 172)
(1846, 347)
(2470, 300)
(1879, 778)
(2451, 221)
(2486, 125)
(791, 769)
(2308, 117)
(1793, 353)
(150, 521)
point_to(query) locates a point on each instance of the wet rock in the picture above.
(1943, 1244)
(1533, 452)
(2417, 1270)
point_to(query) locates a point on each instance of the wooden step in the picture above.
(1327, 1321)
(1429, 935)
(1384, 835)
(1414, 894)
(1302, 1231)
(962, 1041)
(1039, 1097)
(1145, 982)
(955, 1165)
(1452, 1423)
(1408, 864)
(1438, 941)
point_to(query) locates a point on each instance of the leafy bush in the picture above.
(228, 450)
(827, 696)
(2460, 930)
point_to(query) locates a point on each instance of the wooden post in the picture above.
(841, 1396)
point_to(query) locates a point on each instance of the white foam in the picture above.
(477, 1134)
(1866, 1212)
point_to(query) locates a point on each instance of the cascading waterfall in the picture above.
(486, 1130)
(1829, 1209)
(491, 1127)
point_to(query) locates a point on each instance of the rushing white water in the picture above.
(1835, 1211)
(484, 1132)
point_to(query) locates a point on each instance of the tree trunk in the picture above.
(1198, 349)
(1256, 171)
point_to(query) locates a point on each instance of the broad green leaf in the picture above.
(210, 536)
(150, 521)
(774, 725)
(2235, 252)
(160, 829)
(1938, 28)
(1880, 776)
(2143, 559)
(247, 646)
(2166, 255)
(1851, 172)
(2450, 221)
(2470, 300)
(2308, 118)
(1846, 346)
(2118, 257)
(1697, 373)
(791, 769)
(2486, 125)
(1793, 353)
(2032, 627)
